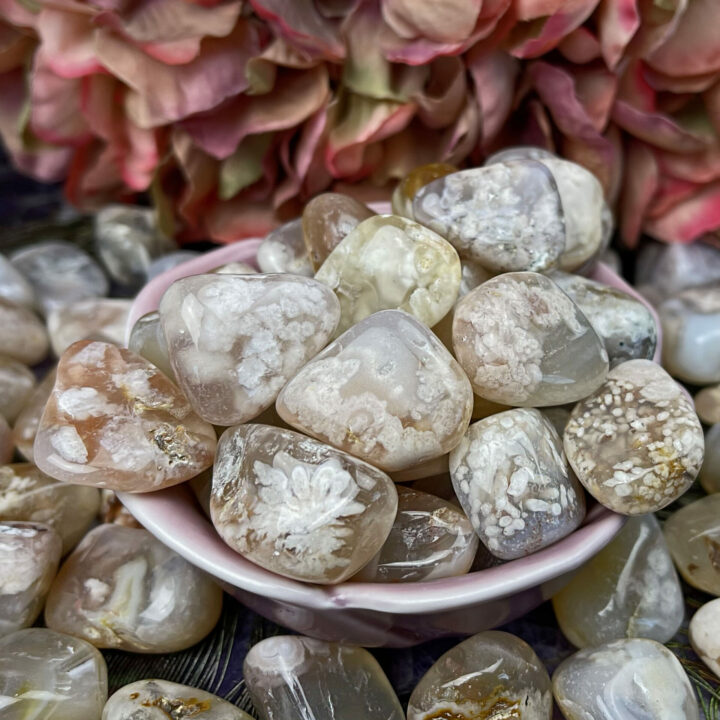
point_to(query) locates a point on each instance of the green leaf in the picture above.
(244, 166)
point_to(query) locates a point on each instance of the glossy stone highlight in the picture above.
(148, 340)
(17, 383)
(22, 336)
(27, 422)
(704, 635)
(284, 251)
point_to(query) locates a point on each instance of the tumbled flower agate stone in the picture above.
(161, 699)
(47, 675)
(148, 340)
(284, 251)
(491, 675)
(235, 340)
(510, 475)
(506, 216)
(404, 193)
(298, 678)
(299, 507)
(29, 556)
(27, 422)
(636, 444)
(6, 441)
(710, 471)
(389, 262)
(386, 391)
(629, 589)
(522, 341)
(707, 404)
(17, 383)
(704, 634)
(13, 286)
(122, 588)
(22, 336)
(633, 679)
(114, 420)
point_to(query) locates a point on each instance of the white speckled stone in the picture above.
(707, 404)
(710, 470)
(17, 383)
(704, 634)
(284, 251)
(22, 336)
(13, 286)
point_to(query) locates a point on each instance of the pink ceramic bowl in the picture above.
(362, 613)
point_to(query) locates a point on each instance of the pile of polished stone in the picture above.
(454, 347)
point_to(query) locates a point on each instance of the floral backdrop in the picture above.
(230, 114)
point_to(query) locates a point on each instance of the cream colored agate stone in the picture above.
(26, 493)
(430, 539)
(407, 188)
(284, 251)
(121, 588)
(636, 444)
(22, 336)
(6, 441)
(511, 477)
(633, 679)
(629, 589)
(710, 470)
(693, 536)
(96, 318)
(148, 340)
(326, 220)
(29, 556)
(386, 391)
(17, 383)
(490, 675)
(47, 675)
(506, 216)
(114, 420)
(298, 678)
(299, 507)
(522, 341)
(707, 404)
(704, 634)
(389, 262)
(235, 340)
(28, 420)
(13, 286)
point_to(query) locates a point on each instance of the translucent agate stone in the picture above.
(430, 539)
(29, 556)
(17, 383)
(386, 391)
(121, 588)
(634, 678)
(407, 188)
(704, 634)
(636, 444)
(693, 536)
(28, 420)
(169, 261)
(60, 273)
(113, 420)
(326, 220)
(522, 341)
(472, 274)
(235, 340)
(299, 507)
(425, 469)
(691, 335)
(13, 286)
(511, 478)
(629, 589)
(148, 340)
(127, 239)
(490, 675)
(161, 699)
(28, 494)
(49, 675)
(389, 262)
(284, 251)
(6, 441)
(710, 470)
(235, 268)
(626, 327)
(506, 216)
(113, 511)
(295, 678)
(22, 336)
(707, 404)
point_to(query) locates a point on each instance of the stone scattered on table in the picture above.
(406, 189)
(235, 340)
(633, 678)
(430, 539)
(629, 589)
(386, 391)
(295, 678)
(29, 556)
(704, 634)
(22, 336)
(326, 220)
(391, 263)
(636, 444)
(693, 536)
(235, 268)
(28, 420)
(299, 507)
(511, 477)
(17, 383)
(114, 420)
(170, 261)
(707, 404)
(491, 675)
(522, 341)
(6, 441)
(284, 251)
(27, 494)
(710, 470)
(121, 588)
(13, 286)
(113, 511)
(148, 340)
(46, 674)
(506, 216)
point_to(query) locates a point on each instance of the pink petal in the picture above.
(689, 84)
(702, 167)
(442, 97)
(67, 41)
(533, 9)
(689, 219)
(238, 218)
(580, 46)
(669, 193)
(17, 13)
(450, 21)
(15, 48)
(595, 87)
(140, 159)
(641, 182)
(618, 21)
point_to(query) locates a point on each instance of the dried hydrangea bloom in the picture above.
(417, 178)
(710, 470)
(284, 251)
(22, 336)
(704, 634)
(121, 588)
(17, 383)
(27, 422)
(299, 507)
(148, 340)
(235, 340)
(114, 420)
(506, 216)
(386, 391)
(636, 444)
(707, 404)
(522, 341)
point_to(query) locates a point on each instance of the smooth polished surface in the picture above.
(284, 251)
(22, 336)
(28, 420)
(17, 383)
(704, 634)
